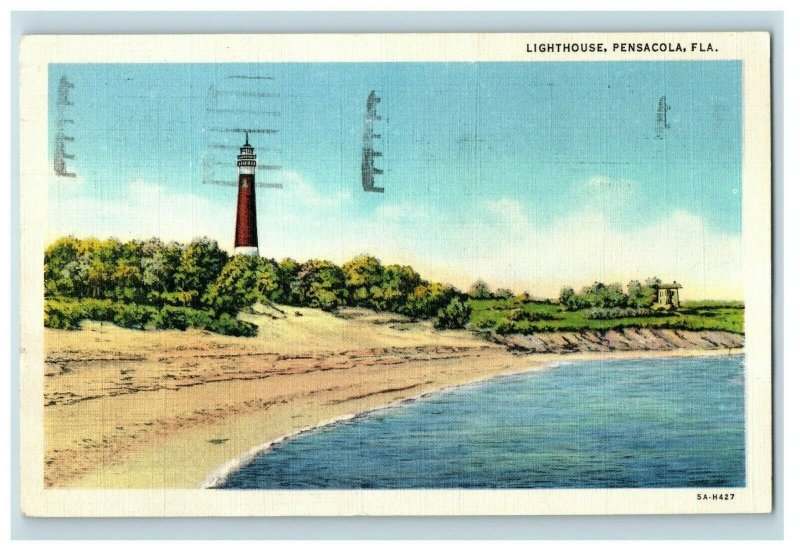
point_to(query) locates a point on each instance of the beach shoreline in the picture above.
(221, 473)
(170, 409)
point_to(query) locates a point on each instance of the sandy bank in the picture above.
(620, 340)
(132, 409)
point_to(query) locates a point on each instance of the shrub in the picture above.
(506, 327)
(523, 297)
(172, 317)
(570, 300)
(616, 313)
(199, 319)
(98, 309)
(131, 283)
(134, 316)
(228, 325)
(486, 323)
(604, 295)
(427, 299)
(642, 296)
(518, 314)
(598, 295)
(326, 300)
(62, 315)
(453, 316)
(503, 294)
(480, 290)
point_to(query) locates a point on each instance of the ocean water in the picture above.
(659, 423)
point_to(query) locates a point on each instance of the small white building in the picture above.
(667, 295)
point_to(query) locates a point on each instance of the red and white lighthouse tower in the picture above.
(246, 241)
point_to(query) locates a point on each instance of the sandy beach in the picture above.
(167, 409)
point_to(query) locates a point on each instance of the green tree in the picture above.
(128, 283)
(321, 284)
(480, 290)
(600, 295)
(428, 298)
(57, 257)
(363, 277)
(236, 287)
(160, 263)
(503, 293)
(398, 283)
(126, 259)
(102, 257)
(100, 279)
(454, 316)
(73, 279)
(642, 296)
(269, 286)
(523, 297)
(201, 263)
(66, 267)
(570, 300)
(288, 270)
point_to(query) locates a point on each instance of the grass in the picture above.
(510, 316)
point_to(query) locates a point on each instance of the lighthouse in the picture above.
(246, 240)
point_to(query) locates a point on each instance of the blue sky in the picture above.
(530, 175)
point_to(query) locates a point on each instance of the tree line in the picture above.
(641, 296)
(136, 283)
(480, 290)
(598, 295)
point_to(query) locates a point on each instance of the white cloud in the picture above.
(509, 211)
(399, 212)
(612, 196)
(584, 246)
(145, 210)
(304, 193)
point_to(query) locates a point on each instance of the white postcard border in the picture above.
(38, 51)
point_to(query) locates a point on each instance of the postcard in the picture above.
(395, 274)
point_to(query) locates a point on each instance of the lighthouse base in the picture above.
(247, 251)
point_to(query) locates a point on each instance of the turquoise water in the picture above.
(661, 423)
